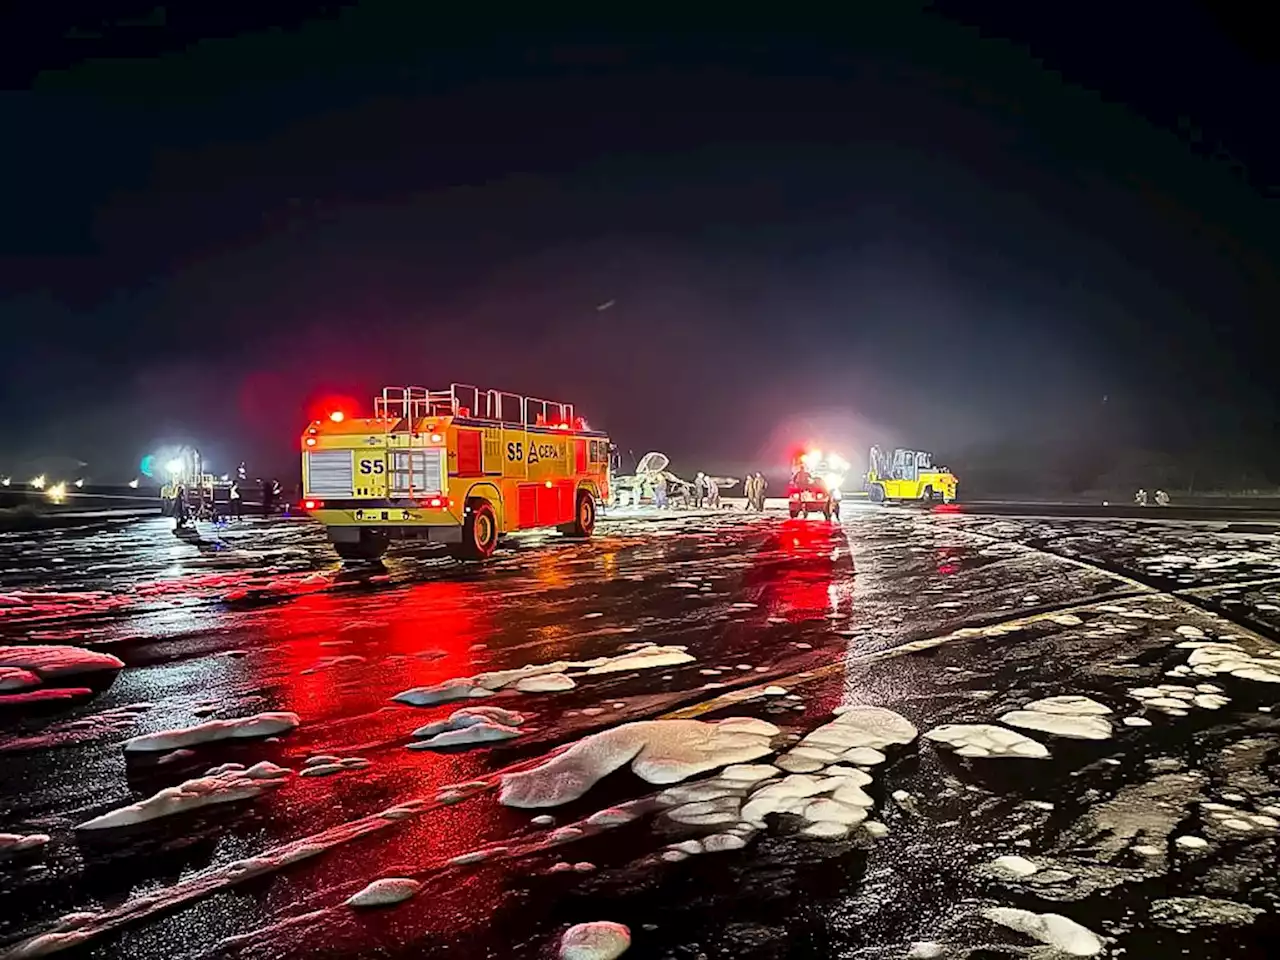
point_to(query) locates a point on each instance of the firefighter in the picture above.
(749, 490)
(181, 513)
(660, 492)
(699, 490)
(236, 503)
(761, 486)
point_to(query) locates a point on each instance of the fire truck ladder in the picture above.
(401, 407)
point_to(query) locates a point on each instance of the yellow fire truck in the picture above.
(908, 475)
(461, 466)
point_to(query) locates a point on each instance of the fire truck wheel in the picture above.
(371, 546)
(584, 515)
(479, 531)
(794, 511)
(876, 493)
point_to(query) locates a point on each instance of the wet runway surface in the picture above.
(1151, 823)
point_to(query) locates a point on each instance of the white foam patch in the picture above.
(470, 716)
(533, 675)
(659, 751)
(723, 842)
(55, 661)
(797, 763)
(749, 773)
(447, 692)
(1072, 706)
(645, 658)
(599, 940)
(193, 794)
(859, 777)
(546, 683)
(862, 726)
(1053, 929)
(864, 756)
(16, 678)
(706, 813)
(1213, 659)
(986, 740)
(484, 731)
(1060, 725)
(22, 843)
(611, 817)
(826, 830)
(789, 795)
(831, 810)
(1015, 866)
(242, 728)
(384, 892)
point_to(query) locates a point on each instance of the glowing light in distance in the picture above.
(38, 482)
(80, 483)
(5, 481)
(57, 493)
(133, 484)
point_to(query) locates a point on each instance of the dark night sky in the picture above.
(949, 232)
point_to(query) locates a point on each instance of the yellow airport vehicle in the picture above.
(461, 466)
(908, 475)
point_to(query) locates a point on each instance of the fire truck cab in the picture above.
(815, 484)
(461, 466)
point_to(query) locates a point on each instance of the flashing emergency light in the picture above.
(5, 481)
(146, 466)
(79, 483)
(174, 466)
(57, 493)
(133, 484)
(312, 504)
(337, 416)
(436, 438)
(38, 482)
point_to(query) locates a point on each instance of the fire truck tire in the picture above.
(927, 496)
(584, 516)
(794, 511)
(479, 531)
(826, 512)
(371, 546)
(876, 493)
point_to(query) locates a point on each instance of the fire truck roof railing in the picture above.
(465, 400)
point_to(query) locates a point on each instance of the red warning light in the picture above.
(337, 416)
(312, 504)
